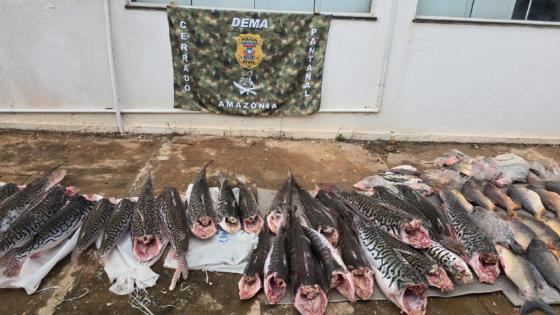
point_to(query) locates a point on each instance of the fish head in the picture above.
(438, 278)
(415, 235)
(204, 227)
(146, 247)
(413, 299)
(344, 284)
(486, 267)
(363, 282)
(249, 286)
(274, 288)
(253, 224)
(275, 220)
(310, 300)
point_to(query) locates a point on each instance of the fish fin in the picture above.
(516, 248)
(538, 304)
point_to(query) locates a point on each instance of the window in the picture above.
(322, 6)
(530, 10)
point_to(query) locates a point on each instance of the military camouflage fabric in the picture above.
(247, 63)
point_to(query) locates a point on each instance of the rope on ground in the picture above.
(45, 289)
(73, 298)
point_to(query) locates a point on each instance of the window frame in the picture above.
(370, 16)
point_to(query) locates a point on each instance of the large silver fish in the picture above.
(227, 214)
(541, 257)
(550, 199)
(7, 190)
(175, 227)
(252, 279)
(553, 223)
(472, 192)
(454, 264)
(521, 232)
(61, 226)
(496, 228)
(482, 255)
(117, 227)
(500, 198)
(33, 220)
(147, 239)
(529, 199)
(31, 195)
(553, 186)
(249, 214)
(201, 214)
(543, 231)
(92, 227)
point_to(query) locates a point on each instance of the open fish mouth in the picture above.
(230, 225)
(344, 284)
(146, 247)
(310, 299)
(275, 220)
(204, 228)
(253, 224)
(249, 286)
(330, 233)
(440, 280)
(414, 299)
(415, 235)
(363, 283)
(485, 266)
(274, 288)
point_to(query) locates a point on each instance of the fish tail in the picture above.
(207, 163)
(222, 177)
(538, 304)
(53, 177)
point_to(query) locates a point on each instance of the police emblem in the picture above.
(249, 52)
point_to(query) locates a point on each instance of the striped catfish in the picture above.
(277, 213)
(32, 221)
(350, 248)
(61, 226)
(31, 195)
(401, 225)
(482, 255)
(227, 214)
(334, 268)
(92, 227)
(249, 214)
(175, 226)
(117, 227)
(318, 216)
(147, 239)
(384, 196)
(401, 283)
(454, 264)
(251, 281)
(7, 190)
(201, 214)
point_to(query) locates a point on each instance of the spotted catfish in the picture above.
(277, 215)
(252, 279)
(318, 216)
(61, 226)
(33, 220)
(147, 239)
(201, 215)
(249, 214)
(228, 209)
(482, 255)
(92, 227)
(7, 190)
(31, 195)
(175, 226)
(117, 227)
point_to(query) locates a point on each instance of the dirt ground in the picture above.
(112, 166)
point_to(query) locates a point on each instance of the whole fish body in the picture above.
(32, 221)
(526, 277)
(496, 228)
(227, 214)
(201, 214)
(454, 264)
(116, 228)
(336, 271)
(472, 193)
(482, 255)
(276, 269)
(61, 226)
(529, 199)
(306, 276)
(252, 279)
(401, 283)
(7, 190)
(350, 248)
(249, 214)
(547, 264)
(173, 214)
(401, 225)
(318, 216)
(500, 198)
(28, 197)
(277, 214)
(543, 231)
(521, 232)
(147, 239)
(92, 227)
(550, 199)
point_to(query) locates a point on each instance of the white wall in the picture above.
(445, 82)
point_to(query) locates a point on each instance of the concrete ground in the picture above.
(111, 166)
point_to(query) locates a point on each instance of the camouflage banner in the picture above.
(247, 63)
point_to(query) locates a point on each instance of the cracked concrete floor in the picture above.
(111, 165)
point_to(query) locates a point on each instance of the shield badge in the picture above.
(249, 52)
